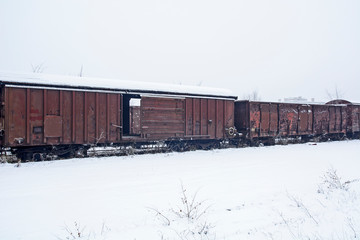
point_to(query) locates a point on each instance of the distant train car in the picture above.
(60, 115)
(267, 121)
(352, 122)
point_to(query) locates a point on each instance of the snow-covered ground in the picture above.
(277, 192)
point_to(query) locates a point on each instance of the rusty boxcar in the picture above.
(352, 121)
(267, 121)
(60, 115)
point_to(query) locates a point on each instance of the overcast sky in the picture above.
(280, 48)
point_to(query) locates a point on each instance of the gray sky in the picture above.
(280, 48)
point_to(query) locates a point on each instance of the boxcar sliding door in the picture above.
(162, 118)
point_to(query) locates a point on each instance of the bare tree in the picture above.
(337, 94)
(38, 68)
(253, 96)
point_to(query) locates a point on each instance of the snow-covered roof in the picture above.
(355, 102)
(333, 103)
(131, 87)
(282, 102)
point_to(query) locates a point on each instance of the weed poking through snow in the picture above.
(332, 182)
(77, 232)
(190, 207)
(187, 220)
(332, 214)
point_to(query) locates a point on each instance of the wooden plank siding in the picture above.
(190, 118)
(162, 117)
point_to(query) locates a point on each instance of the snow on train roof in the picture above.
(111, 84)
(303, 103)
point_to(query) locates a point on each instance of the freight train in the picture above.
(46, 117)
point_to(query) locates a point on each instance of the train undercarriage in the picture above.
(56, 152)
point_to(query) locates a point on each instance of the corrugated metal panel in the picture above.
(305, 120)
(356, 119)
(321, 119)
(37, 117)
(211, 108)
(229, 114)
(79, 117)
(274, 119)
(189, 116)
(254, 113)
(288, 119)
(336, 119)
(264, 120)
(197, 115)
(114, 117)
(102, 134)
(67, 114)
(208, 117)
(16, 116)
(91, 117)
(220, 119)
(204, 117)
(343, 119)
